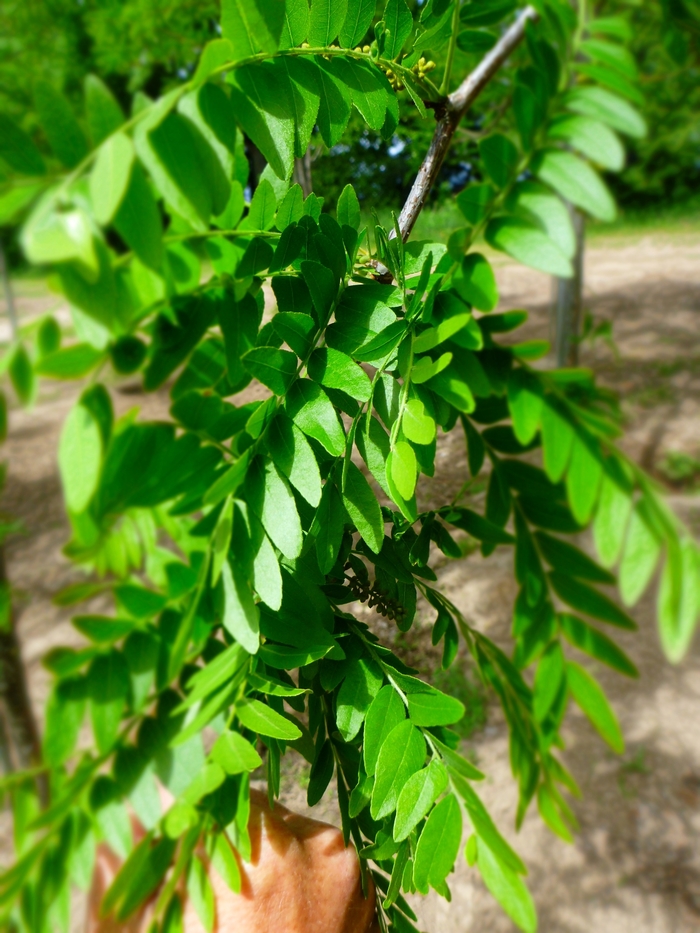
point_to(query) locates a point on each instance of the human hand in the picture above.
(301, 879)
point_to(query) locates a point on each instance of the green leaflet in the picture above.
(60, 125)
(534, 202)
(358, 20)
(611, 520)
(583, 478)
(312, 411)
(417, 424)
(241, 617)
(138, 220)
(548, 680)
(296, 23)
(567, 559)
(292, 454)
(402, 469)
(262, 719)
(418, 795)
(338, 371)
(476, 283)
(557, 440)
(500, 158)
(528, 244)
(640, 555)
(484, 825)
(588, 694)
(271, 499)
(252, 25)
(80, 457)
(438, 845)
(348, 210)
(601, 104)
(374, 446)
(362, 507)
(18, 150)
(355, 697)
(263, 106)
(398, 23)
(591, 138)
(329, 526)
(434, 709)
(584, 598)
(402, 754)
(525, 404)
(235, 754)
(334, 106)
(596, 644)
(679, 597)
(274, 368)
(108, 689)
(110, 175)
(507, 888)
(325, 21)
(104, 115)
(576, 181)
(385, 713)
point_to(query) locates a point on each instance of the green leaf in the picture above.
(138, 221)
(225, 863)
(329, 525)
(263, 108)
(271, 499)
(363, 508)
(486, 14)
(434, 709)
(417, 424)
(474, 202)
(536, 203)
(335, 105)
(475, 41)
(557, 440)
(548, 680)
(398, 23)
(235, 754)
(104, 115)
(18, 150)
(338, 371)
(296, 23)
(568, 559)
(260, 718)
(241, 617)
(418, 795)
(313, 412)
(640, 555)
(591, 138)
(60, 124)
(292, 454)
(438, 845)
(528, 244)
(108, 687)
(252, 25)
(201, 894)
(348, 211)
(70, 362)
(355, 697)
(587, 692)
(325, 22)
(386, 712)
(228, 482)
(370, 90)
(679, 598)
(500, 157)
(110, 175)
(611, 519)
(402, 469)
(476, 282)
(576, 181)
(80, 458)
(402, 754)
(322, 285)
(596, 644)
(484, 825)
(525, 404)
(274, 368)
(49, 236)
(602, 105)
(358, 20)
(590, 601)
(583, 478)
(507, 888)
(215, 54)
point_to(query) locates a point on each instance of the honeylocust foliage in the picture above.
(234, 537)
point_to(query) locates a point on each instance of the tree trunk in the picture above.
(302, 173)
(9, 297)
(17, 724)
(567, 305)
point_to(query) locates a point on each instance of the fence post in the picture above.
(9, 297)
(567, 305)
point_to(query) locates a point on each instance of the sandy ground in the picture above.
(635, 865)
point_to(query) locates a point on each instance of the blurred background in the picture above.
(635, 864)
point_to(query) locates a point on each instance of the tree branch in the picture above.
(456, 106)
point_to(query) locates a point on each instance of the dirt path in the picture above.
(635, 865)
